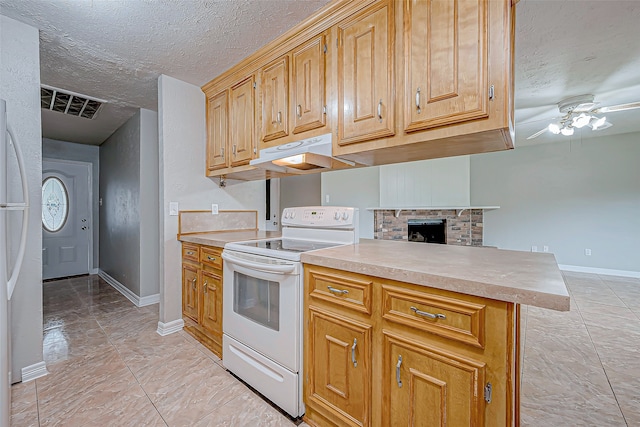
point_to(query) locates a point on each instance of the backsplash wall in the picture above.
(465, 229)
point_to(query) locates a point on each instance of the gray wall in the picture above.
(149, 200)
(359, 188)
(569, 196)
(303, 190)
(63, 150)
(20, 87)
(120, 210)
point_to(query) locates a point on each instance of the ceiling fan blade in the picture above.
(537, 134)
(619, 107)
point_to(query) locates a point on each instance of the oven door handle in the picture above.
(269, 268)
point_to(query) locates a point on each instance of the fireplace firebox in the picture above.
(427, 230)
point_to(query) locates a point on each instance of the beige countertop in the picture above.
(512, 276)
(219, 238)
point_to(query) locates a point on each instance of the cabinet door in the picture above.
(211, 318)
(190, 291)
(339, 371)
(427, 386)
(365, 76)
(446, 62)
(275, 99)
(308, 87)
(217, 131)
(242, 136)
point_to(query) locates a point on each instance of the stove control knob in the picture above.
(292, 214)
(336, 216)
(345, 215)
(285, 215)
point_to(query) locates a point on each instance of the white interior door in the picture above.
(66, 218)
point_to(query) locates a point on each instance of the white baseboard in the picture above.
(170, 327)
(603, 271)
(138, 301)
(34, 371)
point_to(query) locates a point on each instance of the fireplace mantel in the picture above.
(458, 209)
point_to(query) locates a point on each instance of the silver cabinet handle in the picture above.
(193, 283)
(380, 110)
(429, 315)
(353, 353)
(279, 117)
(337, 291)
(299, 110)
(233, 149)
(189, 253)
(418, 100)
(222, 151)
(204, 287)
(398, 380)
(211, 258)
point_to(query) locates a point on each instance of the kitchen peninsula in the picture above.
(402, 333)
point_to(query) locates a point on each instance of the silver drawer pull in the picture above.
(429, 315)
(353, 353)
(193, 283)
(204, 287)
(398, 380)
(299, 110)
(418, 101)
(210, 258)
(279, 117)
(380, 110)
(337, 291)
(189, 253)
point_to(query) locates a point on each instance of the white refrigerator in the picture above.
(9, 152)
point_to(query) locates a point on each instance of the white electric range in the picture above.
(263, 294)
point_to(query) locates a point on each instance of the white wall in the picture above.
(63, 150)
(20, 87)
(569, 196)
(181, 124)
(358, 188)
(149, 199)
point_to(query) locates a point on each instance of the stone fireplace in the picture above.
(462, 227)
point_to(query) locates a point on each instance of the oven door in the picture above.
(262, 305)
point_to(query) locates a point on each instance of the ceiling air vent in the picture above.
(70, 103)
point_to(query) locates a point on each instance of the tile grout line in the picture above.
(599, 359)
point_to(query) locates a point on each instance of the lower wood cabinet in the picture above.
(202, 294)
(418, 356)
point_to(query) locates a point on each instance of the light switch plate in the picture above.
(214, 209)
(173, 208)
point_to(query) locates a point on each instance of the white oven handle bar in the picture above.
(269, 268)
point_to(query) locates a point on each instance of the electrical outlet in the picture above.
(587, 252)
(173, 208)
(326, 198)
(534, 249)
(545, 248)
(214, 209)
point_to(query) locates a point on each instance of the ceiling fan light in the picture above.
(598, 123)
(567, 131)
(581, 121)
(554, 128)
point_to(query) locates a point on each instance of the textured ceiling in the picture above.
(116, 49)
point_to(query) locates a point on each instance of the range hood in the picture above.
(300, 157)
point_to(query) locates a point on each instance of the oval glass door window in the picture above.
(55, 204)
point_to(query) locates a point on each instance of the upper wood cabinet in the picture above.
(274, 85)
(366, 75)
(446, 62)
(217, 131)
(242, 120)
(308, 91)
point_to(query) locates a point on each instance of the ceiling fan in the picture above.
(580, 111)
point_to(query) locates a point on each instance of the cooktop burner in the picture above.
(289, 245)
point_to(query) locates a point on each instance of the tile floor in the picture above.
(108, 366)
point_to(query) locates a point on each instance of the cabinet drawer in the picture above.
(345, 290)
(448, 317)
(211, 256)
(190, 252)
